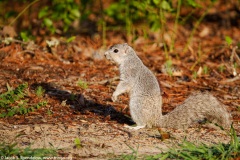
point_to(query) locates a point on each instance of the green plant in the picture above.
(198, 22)
(132, 156)
(153, 13)
(221, 68)
(12, 95)
(65, 11)
(179, 3)
(194, 75)
(49, 112)
(12, 102)
(56, 15)
(198, 58)
(23, 11)
(77, 143)
(189, 151)
(169, 68)
(205, 69)
(26, 35)
(40, 91)
(82, 84)
(235, 65)
(228, 40)
(70, 39)
(120, 12)
(11, 150)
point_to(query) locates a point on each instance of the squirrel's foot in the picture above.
(135, 127)
(114, 97)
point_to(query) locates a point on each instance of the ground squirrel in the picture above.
(146, 100)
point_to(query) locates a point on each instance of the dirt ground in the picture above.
(101, 140)
(74, 111)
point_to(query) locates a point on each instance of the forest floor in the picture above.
(78, 83)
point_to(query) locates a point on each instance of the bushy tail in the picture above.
(195, 108)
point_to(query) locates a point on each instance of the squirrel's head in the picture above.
(118, 52)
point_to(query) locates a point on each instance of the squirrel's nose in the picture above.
(105, 54)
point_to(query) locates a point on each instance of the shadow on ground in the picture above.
(78, 103)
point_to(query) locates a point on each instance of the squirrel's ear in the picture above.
(126, 48)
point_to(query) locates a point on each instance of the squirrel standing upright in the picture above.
(146, 100)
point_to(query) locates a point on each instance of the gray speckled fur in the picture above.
(146, 101)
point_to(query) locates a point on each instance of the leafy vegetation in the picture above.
(134, 16)
(228, 40)
(65, 11)
(169, 67)
(153, 13)
(14, 102)
(40, 91)
(77, 143)
(12, 151)
(82, 84)
(189, 151)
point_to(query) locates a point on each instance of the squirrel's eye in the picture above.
(115, 51)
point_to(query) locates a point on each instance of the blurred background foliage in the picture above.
(133, 18)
